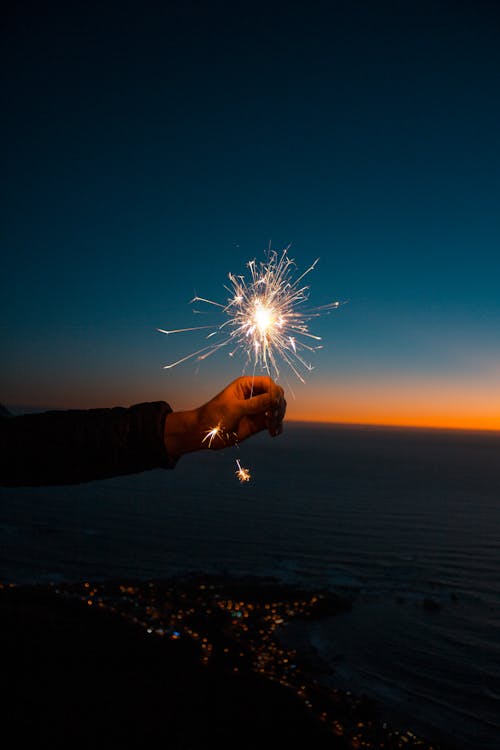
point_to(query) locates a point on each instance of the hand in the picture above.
(246, 406)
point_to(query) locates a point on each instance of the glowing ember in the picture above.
(264, 318)
(219, 432)
(242, 473)
(212, 434)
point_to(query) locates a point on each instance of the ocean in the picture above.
(408, 521)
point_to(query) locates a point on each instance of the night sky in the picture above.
(150, 148)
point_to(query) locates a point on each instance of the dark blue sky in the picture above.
(148, 149)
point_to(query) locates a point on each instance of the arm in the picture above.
(69, 447)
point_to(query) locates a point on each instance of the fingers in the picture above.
(249, 385)
(253, 385)
(275, 416)
(258, 404)
(270, 404)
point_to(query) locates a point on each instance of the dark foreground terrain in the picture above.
(91, 666)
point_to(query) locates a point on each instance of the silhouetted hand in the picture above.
(246, 406)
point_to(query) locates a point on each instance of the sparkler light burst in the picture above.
(264, 318)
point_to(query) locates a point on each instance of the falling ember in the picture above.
(212, 434)
(219, 432)
(242, 473)
(264, 318)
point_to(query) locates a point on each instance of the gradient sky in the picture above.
(150, 148)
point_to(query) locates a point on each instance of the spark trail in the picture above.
(242, 473)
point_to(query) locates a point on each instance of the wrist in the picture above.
(182, 434)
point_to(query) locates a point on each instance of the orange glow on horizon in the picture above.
(439, 404)
(409, 421)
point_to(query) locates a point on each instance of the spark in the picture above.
(211, 434)
(214, 432)
(264, 318)
(242, 473)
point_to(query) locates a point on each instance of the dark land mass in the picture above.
(187, 663)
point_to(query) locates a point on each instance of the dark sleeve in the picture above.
(69, 447)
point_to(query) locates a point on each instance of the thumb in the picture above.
(257, 404)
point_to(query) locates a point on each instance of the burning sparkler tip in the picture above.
(265, 319)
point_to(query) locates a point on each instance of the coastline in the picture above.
(253, 630)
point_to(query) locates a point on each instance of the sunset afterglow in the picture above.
(422, 404)
(379, 159)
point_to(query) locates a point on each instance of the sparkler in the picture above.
(264, 318)
(242, 473)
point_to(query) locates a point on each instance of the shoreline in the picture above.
(244, 627)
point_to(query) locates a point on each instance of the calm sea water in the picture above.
(408, 519)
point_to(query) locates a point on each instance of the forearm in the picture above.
(70, 447)
(183, 433)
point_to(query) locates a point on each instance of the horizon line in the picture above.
(27, 409)
(394, 425)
